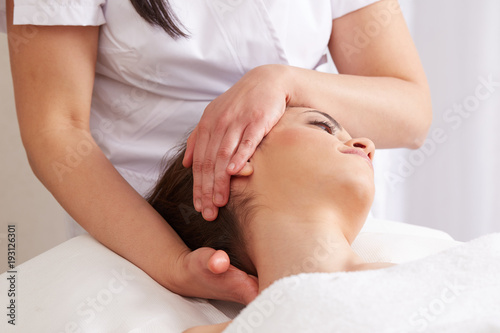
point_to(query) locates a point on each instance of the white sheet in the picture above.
(457, 290)
(81, 286)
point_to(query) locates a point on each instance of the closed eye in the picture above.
(324, 125)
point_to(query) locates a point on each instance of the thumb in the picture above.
(246, 170)
(246, 290)
(218, 262)
(187, 161)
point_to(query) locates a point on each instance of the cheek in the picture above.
(311, 164)
(303, 156)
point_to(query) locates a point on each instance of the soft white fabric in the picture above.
(55, 12)
(376, 225)
(457, 290)
(396, 242)
(82, 284)
(343, 7)
(59, 12)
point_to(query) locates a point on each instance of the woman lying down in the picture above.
(294, 210)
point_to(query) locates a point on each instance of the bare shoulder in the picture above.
(217, 328)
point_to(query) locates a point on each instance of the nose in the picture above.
(364, 144)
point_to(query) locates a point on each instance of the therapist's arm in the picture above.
(53, 74)
(381, 93)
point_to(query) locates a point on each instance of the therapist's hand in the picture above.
(207, 273)
(231, 128)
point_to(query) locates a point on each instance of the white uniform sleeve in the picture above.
(342, 7)
(57, 12)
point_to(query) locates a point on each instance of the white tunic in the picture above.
(151, 89)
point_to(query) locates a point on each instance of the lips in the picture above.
(358, 152)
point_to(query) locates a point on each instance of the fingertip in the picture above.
(231, 167)
(197, 204)
(234, 167)
(220, 200)
(210, 213)
(218, 262)
(187, 160)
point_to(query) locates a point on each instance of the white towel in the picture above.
(456, 290)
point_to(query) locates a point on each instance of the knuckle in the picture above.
(224, 120)
(197, 166)
(220, 128)
(257, 130)
(258, 114)
(197, 189)
(224, 153)
(203, 128)
(220, 180)
(247, 144)
(208, 166)
(206, 193)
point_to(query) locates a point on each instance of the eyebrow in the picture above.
(326, 115)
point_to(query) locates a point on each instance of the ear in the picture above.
(246, 171)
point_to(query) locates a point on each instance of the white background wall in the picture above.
(23, 199)
(453, 182)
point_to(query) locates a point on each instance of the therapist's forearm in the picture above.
(390, 111)
(84, 182)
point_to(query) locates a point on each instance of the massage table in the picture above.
(81, 286)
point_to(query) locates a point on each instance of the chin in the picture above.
(364, 201)
(361, 188)
(357, 198)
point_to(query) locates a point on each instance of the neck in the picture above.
(286, 242)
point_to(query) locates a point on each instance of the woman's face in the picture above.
(309, 159)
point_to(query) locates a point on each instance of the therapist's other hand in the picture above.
(207, 273)
(231, 128)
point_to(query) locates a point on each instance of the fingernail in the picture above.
(208, 212)
(219, 198)
(231, 167)
(197, 204)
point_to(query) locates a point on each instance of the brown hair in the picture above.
(172, 197)
(159, 13)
